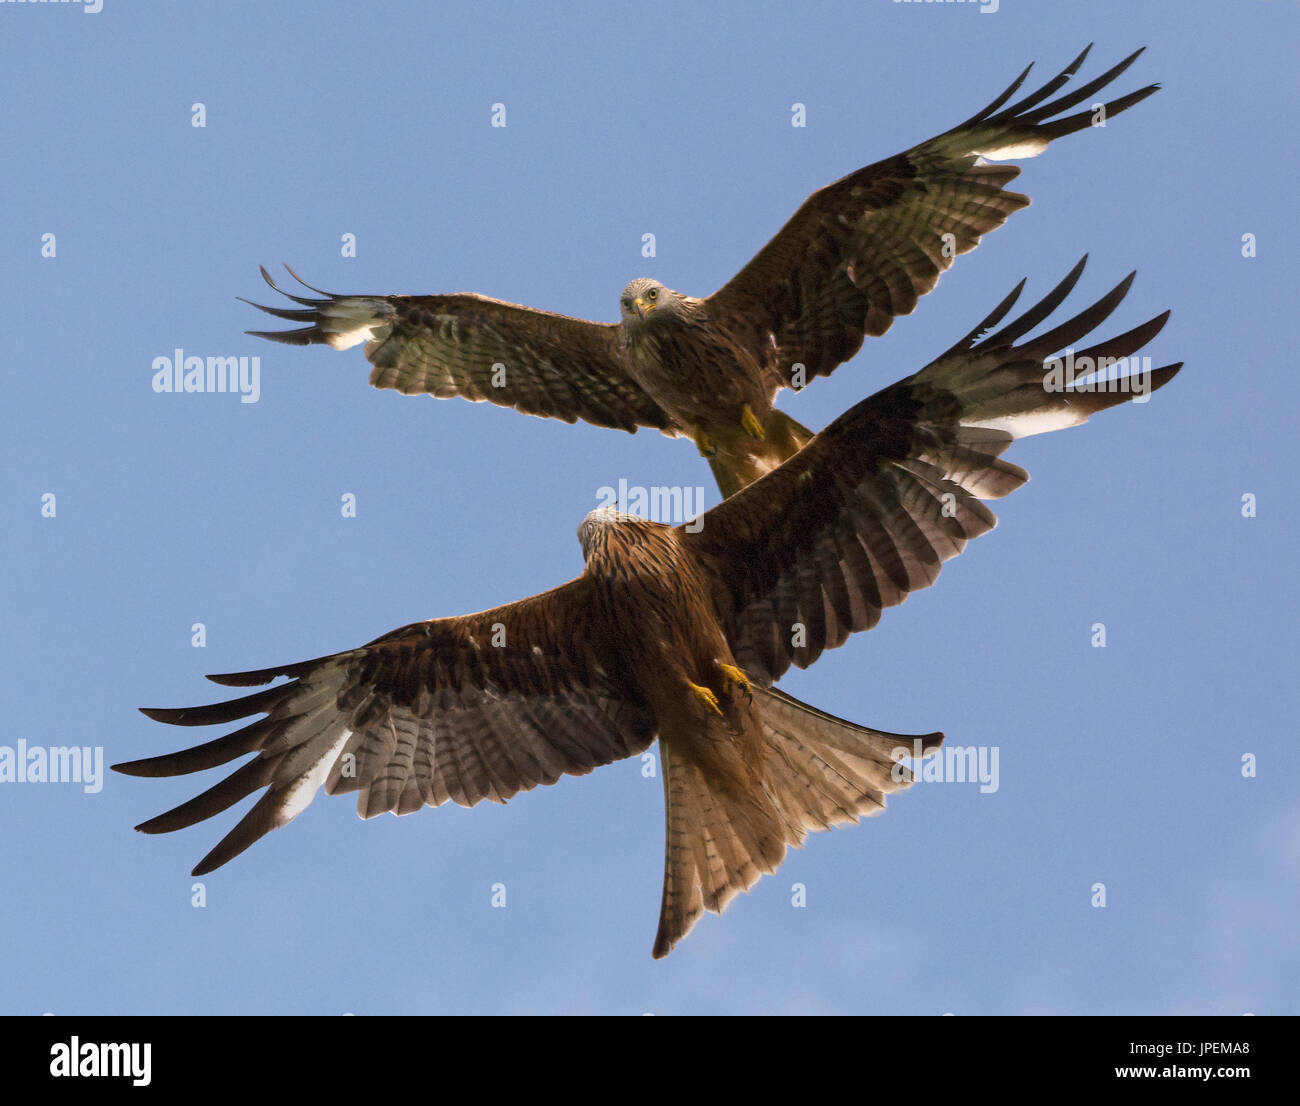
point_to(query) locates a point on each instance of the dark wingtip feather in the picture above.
(258, 676)
(158, 714)
(989, 109)
(992, 319)
(1163, 375)
(311, 287)
(1128, 343)
(1036, 314)
(289, 295)
(210, 754)
(1092, 402)
(215, 714)
(1031, 113)
(293, 314)
(1084, 91)
(288, 337)
(1085, 321)
(256, 824)
(1041, 94)
(221, 796)
(1083, 120)
(244, 679)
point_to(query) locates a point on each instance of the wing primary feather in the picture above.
(219, 797)
(312, 287)
(303, 337)
(981, 115)
(1073, 329)
(293, 314)
(994, 317)
(1017, 109)
(215, 714)
(1084, 119)
(1036, 314)
(289, 295)
(219, 750)
(1081, 93)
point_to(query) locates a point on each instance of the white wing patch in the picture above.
(1029, 423)
(299, 794)
(1010, 151)
(351, 320)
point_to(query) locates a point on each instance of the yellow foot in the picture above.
(704, 443)
(707, 699)
(750, 422)
(734, 677)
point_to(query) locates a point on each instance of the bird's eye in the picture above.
(653, 294)
(627, 304)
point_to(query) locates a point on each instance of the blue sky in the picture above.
(1119, 765)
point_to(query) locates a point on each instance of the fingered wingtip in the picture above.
(312, 287)
(1083, 56)
(266, 276)
(1163, 375)
(157, 714)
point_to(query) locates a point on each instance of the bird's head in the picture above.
(609, 523)
(594, 527)
(645, 301)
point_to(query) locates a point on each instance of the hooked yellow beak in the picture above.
(642, 307)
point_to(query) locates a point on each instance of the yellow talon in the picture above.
(734, 677)
(707, 699)
(750, 422)
(704, 443)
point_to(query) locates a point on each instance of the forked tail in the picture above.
(818, 771)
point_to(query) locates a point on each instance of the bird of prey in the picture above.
(678, 634)
(856, 254)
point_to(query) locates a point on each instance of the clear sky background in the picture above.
(1119, 765)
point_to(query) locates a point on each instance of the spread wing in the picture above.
(479, 349)
(862, 250)
(477, 707)
(869, 510)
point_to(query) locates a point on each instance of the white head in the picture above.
(645, 300)
(598, 524)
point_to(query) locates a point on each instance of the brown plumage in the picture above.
(676, 635)
(858, 253)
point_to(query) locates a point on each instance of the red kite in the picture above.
(679, 635)
(856, 254)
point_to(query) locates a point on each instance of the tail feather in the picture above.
(717, 845)
(784, 437)
(818, 771)
(825, 771)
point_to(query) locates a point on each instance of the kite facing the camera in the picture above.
(858, 253)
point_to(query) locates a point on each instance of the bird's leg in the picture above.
(750, 422)
(704, 443)
(707, 699)
(734, 677)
